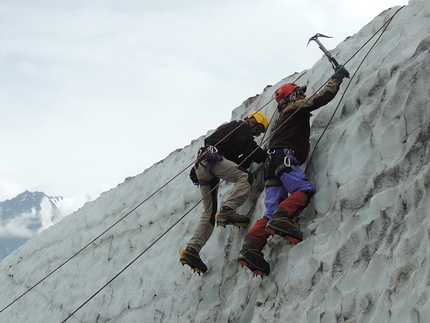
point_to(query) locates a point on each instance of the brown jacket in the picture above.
(293, 127)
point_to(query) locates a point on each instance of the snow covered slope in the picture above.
(365, 257)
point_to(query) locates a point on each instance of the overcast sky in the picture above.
(94, 91)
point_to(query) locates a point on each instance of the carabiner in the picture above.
(287, 161)
(212, 149)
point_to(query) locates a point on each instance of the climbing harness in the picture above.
(211, 156)
(285, 166)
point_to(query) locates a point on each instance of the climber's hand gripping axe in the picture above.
(326, 52)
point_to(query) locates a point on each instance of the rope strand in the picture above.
(115, 223)
(384, 27)
(159, 189)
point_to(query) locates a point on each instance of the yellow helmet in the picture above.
(260, 117)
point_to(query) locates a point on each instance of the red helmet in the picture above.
(284, 91)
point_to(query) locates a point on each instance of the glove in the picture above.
(340, 73)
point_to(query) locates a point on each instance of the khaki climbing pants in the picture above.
(230, 172)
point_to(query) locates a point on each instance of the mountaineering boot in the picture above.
(191, 257)
(282, 225)
(251, 257)
(229, 216)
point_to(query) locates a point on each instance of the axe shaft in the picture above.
(325, 51)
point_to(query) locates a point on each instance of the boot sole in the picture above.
(247, 263)
(235, 223)
(255, 271)
(238, 223)
(290, 239)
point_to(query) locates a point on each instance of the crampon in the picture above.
(254, 261)
(191, 258)
(286, 229)
(231, 218)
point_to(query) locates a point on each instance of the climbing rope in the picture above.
(383, 28)
(115, 223)
(159, 189)
(181, 218)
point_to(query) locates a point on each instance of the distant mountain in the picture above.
(23, 217)
(8, 245)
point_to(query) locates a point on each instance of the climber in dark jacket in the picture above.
(227, 154)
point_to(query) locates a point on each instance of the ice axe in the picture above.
(321, 46)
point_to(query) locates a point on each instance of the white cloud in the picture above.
(17, 226)
(9, 189)
(86, 83)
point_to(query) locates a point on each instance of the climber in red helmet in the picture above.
(288, 191)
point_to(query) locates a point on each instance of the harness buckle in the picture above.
(271, 151)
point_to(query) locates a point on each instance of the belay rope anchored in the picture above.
(162, 235)
(169, 181)
(383, 28)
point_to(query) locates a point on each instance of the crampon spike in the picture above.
(220, 224)
(240, 224)
(292, 240)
